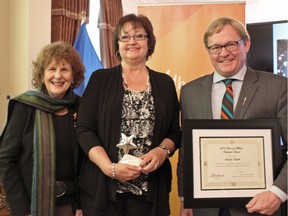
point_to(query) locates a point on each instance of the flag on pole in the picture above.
(88, 55)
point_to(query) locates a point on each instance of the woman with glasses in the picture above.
(128, 127)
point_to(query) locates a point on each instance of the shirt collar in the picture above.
(238, 76)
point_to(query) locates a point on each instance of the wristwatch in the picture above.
(164, 147)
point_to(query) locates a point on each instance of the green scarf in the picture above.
(43, 183)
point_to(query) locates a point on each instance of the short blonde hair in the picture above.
(217, 25)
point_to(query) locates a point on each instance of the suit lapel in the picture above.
(247, 93)
(205, 100)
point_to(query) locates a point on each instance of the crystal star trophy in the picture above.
(126, 144)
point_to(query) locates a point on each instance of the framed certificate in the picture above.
(227, 162)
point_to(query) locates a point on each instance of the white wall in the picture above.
(26, 27)
(92, 27)
(266, 10)
(4, 57)
(39, 33)
(18, 46)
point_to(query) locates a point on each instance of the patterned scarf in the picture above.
(43, 183)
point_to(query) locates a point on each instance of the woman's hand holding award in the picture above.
(126, 144)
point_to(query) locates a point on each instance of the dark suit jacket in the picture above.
(266, 98)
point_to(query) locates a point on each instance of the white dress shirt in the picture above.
(219, 88)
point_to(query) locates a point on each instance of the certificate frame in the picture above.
(200, 192)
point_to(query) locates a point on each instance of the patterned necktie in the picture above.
(227, 102)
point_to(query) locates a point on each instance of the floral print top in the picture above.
(138, 117)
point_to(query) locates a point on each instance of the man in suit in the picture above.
(257, 95)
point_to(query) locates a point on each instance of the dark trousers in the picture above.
(125, 205)
(64, 210)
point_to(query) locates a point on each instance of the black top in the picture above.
(16, 154)
(64, 155)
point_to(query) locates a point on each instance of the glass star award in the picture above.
(126, 144)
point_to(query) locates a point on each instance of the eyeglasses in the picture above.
(231, 46)
(136, 37)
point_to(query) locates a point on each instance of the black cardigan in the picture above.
(16, 154)
(99, 123)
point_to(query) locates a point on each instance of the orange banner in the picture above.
(179, 31)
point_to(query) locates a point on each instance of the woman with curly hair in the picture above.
(39, 155)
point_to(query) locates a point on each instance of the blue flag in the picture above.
(88, 55)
